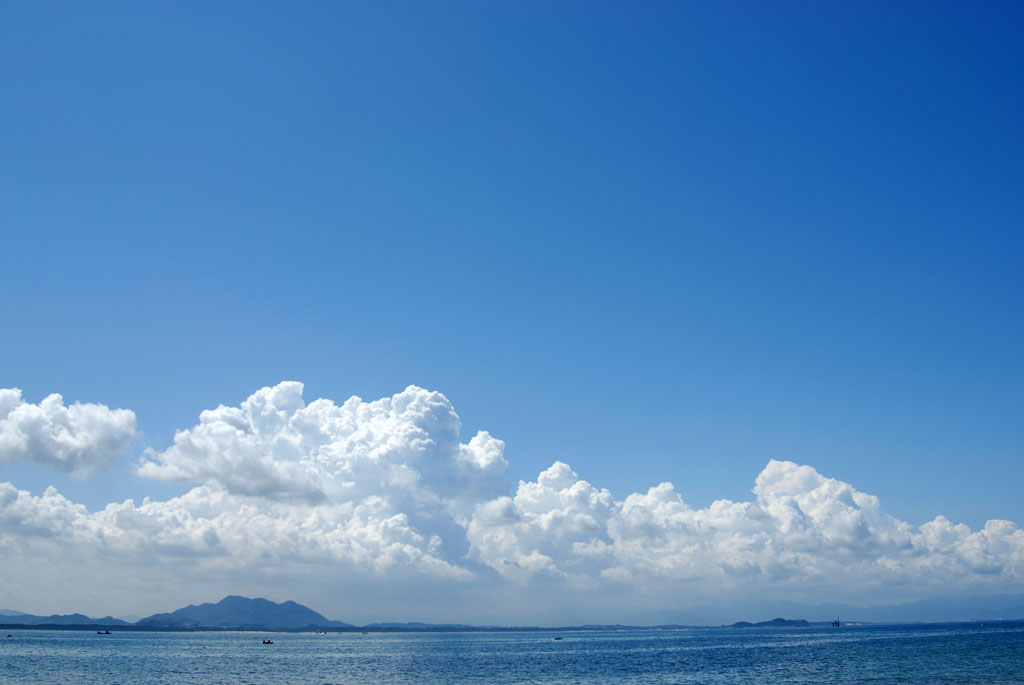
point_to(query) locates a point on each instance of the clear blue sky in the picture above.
(658, 241)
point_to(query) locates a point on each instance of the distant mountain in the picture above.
(931, 610)
(60, 620)
(983, 608)
(242, 613)
(774, 623)
(416, 625)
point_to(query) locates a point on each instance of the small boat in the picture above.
(268, 642)
(558, 638)
(103, 632)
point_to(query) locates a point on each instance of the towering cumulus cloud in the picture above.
(403, 448)
(78, 439)
(387, 489)
(373, 484)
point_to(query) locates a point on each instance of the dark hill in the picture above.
(243, 613)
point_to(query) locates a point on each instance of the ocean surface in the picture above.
(950, 653)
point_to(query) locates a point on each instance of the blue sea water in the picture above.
(952, 653)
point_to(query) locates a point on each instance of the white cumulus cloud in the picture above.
(387, 488)
(405, 449)
(545, 527)
(78, 439)
(802, 529)
(209, 527)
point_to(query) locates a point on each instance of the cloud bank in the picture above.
(387, 489)
(79, 439)
(802, 529)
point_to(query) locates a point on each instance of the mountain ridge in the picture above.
(238, 612)
(241, 613)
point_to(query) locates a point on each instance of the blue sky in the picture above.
(655, 241)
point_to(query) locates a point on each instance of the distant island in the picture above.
(242, 613)
(17, 618)
(774, 623)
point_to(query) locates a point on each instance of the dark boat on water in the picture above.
(103, 632)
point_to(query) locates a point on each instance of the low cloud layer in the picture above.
(79, 439)
(387, 489)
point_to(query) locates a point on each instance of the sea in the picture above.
(930, 653)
